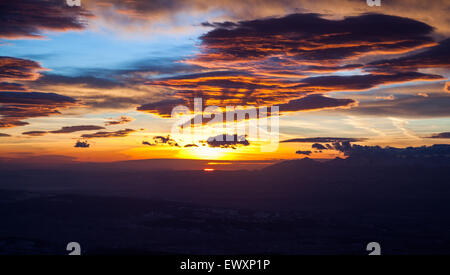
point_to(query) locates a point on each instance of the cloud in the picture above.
(315, 102)
(224, 90)
(86, 81)
(311, 39)
(227, 141)
(9, 123)
(441, 135)
(282, 61)
(35, 133)
(112, 91)
(158, 140)
(390, 97)
(420, 94)
(304, 153)
(391, 153)
(120, 133)
(433, 57)
(361, 82)
(13, 69)
(72, 129)
(82, 144)
(16, 103)
(165, 140)
(148, 143)
(190, 145)
(178, 15)
(12, 87)
(4, 135)
(324, 140)
(162, 108)
(18, 106)
(174, 16)
(34, 98)
(408, 106)
(319, 146)
(120, 120)
(107, 88)
(307, 103)
(29, 18)
(64, 130)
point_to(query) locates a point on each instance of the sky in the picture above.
(100, 82)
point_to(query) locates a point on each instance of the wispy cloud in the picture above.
(116, 134)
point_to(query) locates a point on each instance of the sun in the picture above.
(203, 152)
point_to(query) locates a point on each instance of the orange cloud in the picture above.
(18, 106)
(281, 61)
(13, 69)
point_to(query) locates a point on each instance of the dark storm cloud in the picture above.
(227, 141)
(120, 133)
(445, 135)
(18, 106)
(4, 135)
(73, 129)
(29, 18)
(324, 140)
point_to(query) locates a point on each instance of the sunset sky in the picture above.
(99, 82)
